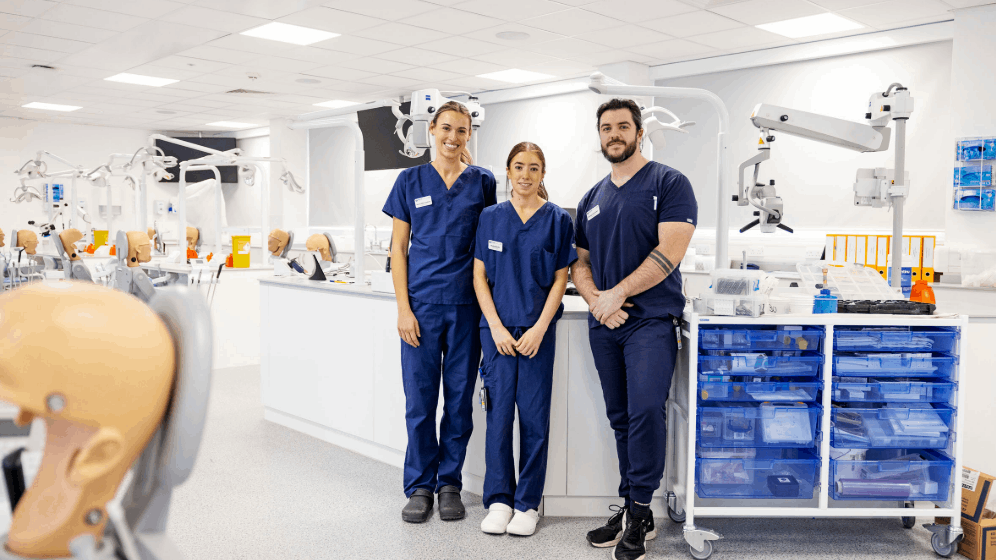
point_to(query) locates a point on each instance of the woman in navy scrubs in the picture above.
(436, 208)
(523, 249)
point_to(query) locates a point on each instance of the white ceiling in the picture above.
(386, 48)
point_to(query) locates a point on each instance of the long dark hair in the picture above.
(528, 147)
(462, 109)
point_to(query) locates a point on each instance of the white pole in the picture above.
(897, 207)
(181, 211)
(72, 200)
(141, 203)
(264, 210)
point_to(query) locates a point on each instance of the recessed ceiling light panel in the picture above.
(809, 26)
(336, 104)
(230, 124)
(515, 76)
(286, 33)
(140, 80)
(51, 107)
(513, 35)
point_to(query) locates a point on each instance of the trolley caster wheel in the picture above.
(909, 522)
(706, 551)
(676, 516)
(945, 550)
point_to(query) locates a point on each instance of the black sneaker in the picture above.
(633, 544)
(609, 534)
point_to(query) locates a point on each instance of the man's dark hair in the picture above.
(613, 104)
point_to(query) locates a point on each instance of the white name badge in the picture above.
(594, 212)
(424, 201)
(655, 203)
(495, 245)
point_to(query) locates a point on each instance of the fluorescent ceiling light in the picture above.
(229, 124)
(287, 33)
(50, 107)
(336, 104)
(141, 80)
(515, 76)
(811, 25)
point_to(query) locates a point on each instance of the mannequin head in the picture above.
(192, 236)
(139, 248)
(27, 239)
(68, 238)
(2, 236)
(277, 242)
(97, 365)
(151, 232)
(320, 243)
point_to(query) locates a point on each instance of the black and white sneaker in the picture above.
(633, 544)
(610, 533)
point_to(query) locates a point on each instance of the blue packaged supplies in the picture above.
(973, 176)
(975, 199)
(971, 150)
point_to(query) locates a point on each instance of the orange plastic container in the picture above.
(922, 292)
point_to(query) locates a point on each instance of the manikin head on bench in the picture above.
(193, 236)
(277, 242)
(26, 239)
(2, 236)
(139, 248)
(68, 238)
(319, 242)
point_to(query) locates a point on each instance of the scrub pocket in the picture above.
(543, 266)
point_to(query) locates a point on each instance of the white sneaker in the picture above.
(524, 523)
(497, 519)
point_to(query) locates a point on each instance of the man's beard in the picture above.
(629, 151)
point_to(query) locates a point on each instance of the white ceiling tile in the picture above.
(417, 57)
(45, 85)
(190, 64)
(66, 30)
(675, 50)
(610, 57)
(217, 54)
(636, 11)
(967, 3)
(28, 8)
(357, 87)
(248, 44)
(576, 3)
(515, 58)
(376, 65)
(266, 9)
(241, 72)
(35, 55)
(889, 13)
(390, 81)
(536, 36)
(156, 96)
(8, 72)
(468, 47)
(427, 74)
(280, 64)
(301, 99)
(564, 48)
(356, 45)
(844, 4)
(42, 42)
(624, 37)
(564, 68)
(384, 9)
(692, 23)
(574, 21)
(141, 8)
(207, 18)
(14, 22)
(340, 73)
(323, 57)
(162, 72)
(134, 47)
(470, 67)
(197, 86)
(736, 38)
(453, 22)
(197, 105)
(510, 10)
(101, 19)
(756, 12)
(475, 84)
(327, 19)
(401, 34)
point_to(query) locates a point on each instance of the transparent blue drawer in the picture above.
(764, 425)
(895, 339)
(772, 473)
(753, 363)
(891, 391)
(761, 338)
(895, 427)
(893, 474)
(908, 364)
(752, 391)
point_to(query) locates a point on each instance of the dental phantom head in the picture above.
(139, 248)
(68, 239)
(322, 242)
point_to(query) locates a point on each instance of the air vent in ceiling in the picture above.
(249, 92)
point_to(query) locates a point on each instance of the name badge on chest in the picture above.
(495, 245)
(424, 201)
(593, 212)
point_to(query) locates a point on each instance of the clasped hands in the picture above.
(607, 307)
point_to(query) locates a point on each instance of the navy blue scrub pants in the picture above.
(527, 383)
(635, 363)
(449, 348)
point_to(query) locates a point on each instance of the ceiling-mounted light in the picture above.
(50, 106)
(515, 76)
(809, 26)
(336, 104)
(140, 80)
(286, 33)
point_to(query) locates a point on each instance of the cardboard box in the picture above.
(978, 516)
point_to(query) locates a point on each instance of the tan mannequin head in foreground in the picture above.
(28, 240)
(2, 236)
(192, 236)
(98, 366)
(139, 248)
(277, 242)
(320, 243)
(68, 238)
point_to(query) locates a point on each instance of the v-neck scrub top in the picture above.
(521, 259)
(618, 226)
(443, 229)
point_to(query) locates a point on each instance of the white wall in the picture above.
(814, 180)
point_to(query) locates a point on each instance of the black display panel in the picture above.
(381, 145)
(229, 173)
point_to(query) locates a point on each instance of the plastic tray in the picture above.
(795, 470)
(895, 339)
(866, 428)
(734, 306)
(765, 425)
(910, 364)
(749, 391)
(891, 391)
(792, 338)
(894, 474)
(753, 363)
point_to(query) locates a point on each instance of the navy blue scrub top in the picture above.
(521, 259)
(444, 226)
(618, 226)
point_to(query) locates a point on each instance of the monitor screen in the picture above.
(229, 173)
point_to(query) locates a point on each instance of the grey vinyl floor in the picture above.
(261, 491)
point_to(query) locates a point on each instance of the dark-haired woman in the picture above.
(523, 249)
(436, 208)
